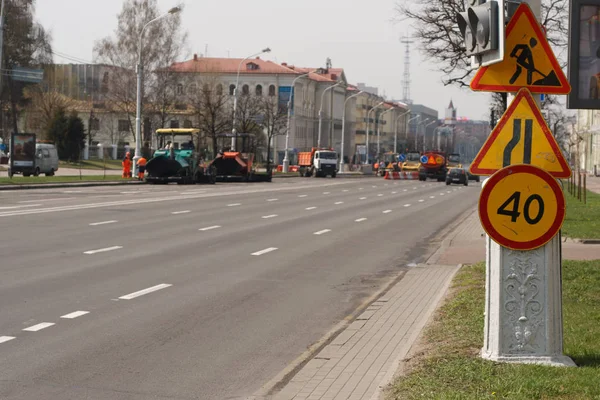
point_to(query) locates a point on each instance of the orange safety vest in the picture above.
(142, 162)
(126, 163)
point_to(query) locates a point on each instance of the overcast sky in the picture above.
(361, 39)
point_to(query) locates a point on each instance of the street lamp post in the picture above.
(286, 160)
(343, 130)
(235, 90)
(138, 108)
(425, 132)
(418, 117)
(321, 111)
(417, 133)
(379, 126)
(396, 134)
(368, 126)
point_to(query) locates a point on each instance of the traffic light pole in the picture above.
(523, 309)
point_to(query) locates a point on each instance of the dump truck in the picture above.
(178, 160)
(412, 162)
(318, 163)
(233, 166)
(433, 166)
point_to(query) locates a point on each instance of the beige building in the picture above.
(584, 143)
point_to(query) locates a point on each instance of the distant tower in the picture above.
(406, 78)
(450, 114)
(328, 63)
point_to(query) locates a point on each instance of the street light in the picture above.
(425, 132)
(343, 130)
(138, 108)
(237, 82)
(416, 130)
(379, 126)
(417, 133)
(286, 161)
(396, 134)
(321, 111)
(368, 126)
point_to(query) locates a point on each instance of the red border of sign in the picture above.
(485, 195)
(564, 89)
(523, 93)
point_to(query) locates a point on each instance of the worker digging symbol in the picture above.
(524, 55)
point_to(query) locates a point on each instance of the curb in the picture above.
(66, 185)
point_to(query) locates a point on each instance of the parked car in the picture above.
(457, 175)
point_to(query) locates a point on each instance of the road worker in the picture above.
(126, 163)
(141, 168)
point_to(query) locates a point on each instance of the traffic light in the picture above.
(482, 27)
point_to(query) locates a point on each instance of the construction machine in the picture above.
(318, 162)
(233, 166)
(412, 162)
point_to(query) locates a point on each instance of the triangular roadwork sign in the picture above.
(521, 137)
(528, 61)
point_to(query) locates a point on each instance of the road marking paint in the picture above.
(326, 192)
(360, 188)
(374, 186)
(75, 314)
(385, 184)
(448, 191)
(103, 250)
(104, 223)
(394, 192)
(269, 216)
(407, 205)
(387, 211)
(337, 203)
(405, 190)
(193, 192)
(234, 204)
(209, 228)
(265, 251)
(432, 197)
(360, 220)
(322, 232)
(57, 199)
(181, 212)
(310, 208)
(380, 195)
(39, 327)
(4, 339)
(302, 195)
(72, 191)
(272, 199)
(145, 291)
(420, 201)
(441, 194)
(363, 198)
(414, 188)
(15, 207)
(345, 190)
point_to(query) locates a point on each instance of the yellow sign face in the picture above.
(521, 207)
(528, 62)
(521, 137)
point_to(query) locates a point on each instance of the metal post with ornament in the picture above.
(521, 206)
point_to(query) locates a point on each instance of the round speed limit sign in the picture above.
(521, 207)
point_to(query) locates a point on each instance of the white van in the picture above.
(46, 162)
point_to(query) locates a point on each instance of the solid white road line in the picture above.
(103, 250)
(104, 223)
(145, 291)
(4, 339)
(387, 211)
(39, 327)
(322, 232)
(75, 314)
(269, 216)
(35, 201)
(310, 208)
(209, 228)
(302, 195)
(16, 207)
(272, 199)
(181, 212)
(234, 204)
(337, 203)
(72, 191)
(360, 220)
(407, 205)
(265, 251)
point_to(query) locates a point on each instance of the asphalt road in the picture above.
(196, 292)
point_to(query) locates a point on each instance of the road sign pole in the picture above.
(523, 308)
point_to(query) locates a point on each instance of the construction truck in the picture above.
(412, 162)
(179, 159)
(453, 161)
(433, 166)
(233, 166)
(318, 163)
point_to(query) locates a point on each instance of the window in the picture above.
(258, 90)
(45, 153)
(245, 90)
(174, 124)
(179, 89)
(192, 89)
(231, 89)
(187, 124)
(94, 124)
(220, 89)
(252, 66)
(123, 125)
(272, 90)
(104, 85)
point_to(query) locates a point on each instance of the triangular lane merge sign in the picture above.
(528, 62)
(521, 137)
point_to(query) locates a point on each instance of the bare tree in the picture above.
(162, 44)
(274, 122)
(437, 32)
(45, 104)
(249, 118)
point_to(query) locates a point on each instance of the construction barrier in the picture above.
(401, 175)
(291, 168)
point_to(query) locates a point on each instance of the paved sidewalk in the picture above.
(363, 359)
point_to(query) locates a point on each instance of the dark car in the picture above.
(472, 177)
(457, 175)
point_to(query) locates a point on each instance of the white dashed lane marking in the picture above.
(387, 211)
(420, 201)
(310, 208)
(326, 192)
(360, 220)
(181, 212)
(302, 195)
(143, 292)
(269, 216)
(39, 327)
(4, 339)
(75, 314)
(322, 232)
(380, 195)
(234, 204)
(209, 228)
(363, 198)
(272, 199)
(407, 205)
(103, 223)
(337, 203)
(432, 197)
(265, 251)
(113, 248)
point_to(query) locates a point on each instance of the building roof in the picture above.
(451, 106)
(231, 65)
